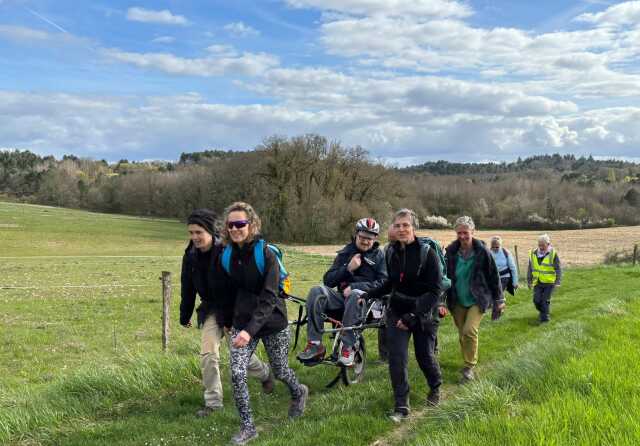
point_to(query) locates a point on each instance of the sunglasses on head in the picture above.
(238, 224)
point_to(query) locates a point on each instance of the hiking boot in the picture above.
(433, 399)
(207, 410)
(312, 352)
(467, 374)
(399, 414)
(297, 405)
(244, 435)
(268, 384)
(347, 355)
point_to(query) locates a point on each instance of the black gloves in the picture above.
(410, 320)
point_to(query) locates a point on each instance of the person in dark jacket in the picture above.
(203, 275)
(415, 283)
(357, 268)
(258, 314)
(475, 288)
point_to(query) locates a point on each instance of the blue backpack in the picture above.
(258, 255)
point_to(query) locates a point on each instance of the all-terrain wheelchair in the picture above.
(372, 316)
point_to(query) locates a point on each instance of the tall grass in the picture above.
(573, 385)
(94, 388)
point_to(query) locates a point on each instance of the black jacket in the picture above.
(202, 274)
(410, 292)
(485, 279)
(257, 308)
(371, 273)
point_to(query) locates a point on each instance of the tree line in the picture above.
(310, 190)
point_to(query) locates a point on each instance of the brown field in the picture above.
(575, 247)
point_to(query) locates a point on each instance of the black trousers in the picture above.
(424, 341)
(542, 299)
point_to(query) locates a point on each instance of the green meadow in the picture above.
(81, 360)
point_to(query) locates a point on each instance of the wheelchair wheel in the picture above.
(355, 374)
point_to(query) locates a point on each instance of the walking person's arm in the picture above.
(493, 281)
(558, 267)
(187, 293)
(529, 273)
(514, 271)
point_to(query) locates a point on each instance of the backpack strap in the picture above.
(505, 252)
(226, 259)
(258, 255)
(424, 251)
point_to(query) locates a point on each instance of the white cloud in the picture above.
(165, 17)
(164, 39)
(247, 64)
(623, 14)
(439, 8)
(432, 95)
(239, 29)
(554, 63)
(154, 127)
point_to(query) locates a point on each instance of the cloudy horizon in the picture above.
(408, 80)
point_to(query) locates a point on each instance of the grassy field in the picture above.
(81, 360)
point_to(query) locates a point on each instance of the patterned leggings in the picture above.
(277, 347)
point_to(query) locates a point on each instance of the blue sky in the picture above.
(409, 80)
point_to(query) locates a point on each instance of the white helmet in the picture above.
(368, 225)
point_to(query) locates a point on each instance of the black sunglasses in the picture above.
(238, 224)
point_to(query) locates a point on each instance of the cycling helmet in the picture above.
(368, 225)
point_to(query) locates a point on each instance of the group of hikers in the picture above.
(238, 277)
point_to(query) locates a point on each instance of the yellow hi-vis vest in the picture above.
(543, 272)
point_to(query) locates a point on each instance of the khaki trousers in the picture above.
(467, 321)
(212, 335)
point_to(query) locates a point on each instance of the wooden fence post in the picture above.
(166, 304)
(635, 254)
(515, 248)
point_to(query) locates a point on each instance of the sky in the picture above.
(408, 80)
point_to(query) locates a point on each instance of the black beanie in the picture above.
(205, 218)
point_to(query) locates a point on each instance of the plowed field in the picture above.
(575, 247)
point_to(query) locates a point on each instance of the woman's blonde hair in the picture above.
(254, 221)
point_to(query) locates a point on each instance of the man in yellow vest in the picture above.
(544, 274)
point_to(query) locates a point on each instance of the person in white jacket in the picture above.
(506, 265)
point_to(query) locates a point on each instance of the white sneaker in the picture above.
(347, 356)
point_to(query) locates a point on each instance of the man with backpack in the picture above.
(358, 268)
(415, 283)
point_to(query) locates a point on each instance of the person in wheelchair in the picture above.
(358, 268)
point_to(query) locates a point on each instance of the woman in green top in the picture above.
(475, 287)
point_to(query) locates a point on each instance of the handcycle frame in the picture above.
(347, 374)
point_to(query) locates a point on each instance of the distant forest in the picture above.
(311, 190)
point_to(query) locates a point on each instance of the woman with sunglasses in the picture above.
(202, 275)
(258, 314)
